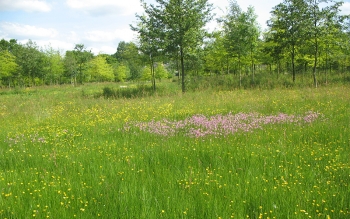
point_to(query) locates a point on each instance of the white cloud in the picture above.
(103, 7)
(345, 9)
(59, 45)
(104, 49)
(26, 31)
(125, 34)
(106, 41)
(25, 5)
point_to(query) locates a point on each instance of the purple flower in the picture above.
(217, 125)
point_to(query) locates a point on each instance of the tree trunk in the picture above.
(153, 74)
(252, 63)
(227, 64)
(293, 63)
(240, 71)
(315, 63)
(182, 70)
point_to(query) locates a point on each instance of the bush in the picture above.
(139, 91)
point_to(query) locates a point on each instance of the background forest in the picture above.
(307, 42)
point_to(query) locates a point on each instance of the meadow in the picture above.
(279, 153)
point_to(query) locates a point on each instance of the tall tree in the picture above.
(253, 32)
(321, 20)
(150, 40)
(121, 72)
(8, 65)
(99, 70)
(82, 56)
(216, 56)
(71, 67)
(31, 61)
(181, 24)
(241, 34)
(128, 54)
(288, 27)
(54, 65)
(160, 71)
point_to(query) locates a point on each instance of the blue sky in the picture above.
(99, 24)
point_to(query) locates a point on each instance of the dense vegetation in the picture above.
(304, 39)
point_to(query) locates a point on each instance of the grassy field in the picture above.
(237, 154)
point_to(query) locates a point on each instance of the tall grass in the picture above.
(68, 155)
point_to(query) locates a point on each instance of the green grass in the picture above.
(65, 154)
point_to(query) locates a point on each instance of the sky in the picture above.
(98, 24)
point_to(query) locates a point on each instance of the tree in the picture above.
(82, 56)
(99, 70)
(241, 34)
(128, 54)
(273, 52)
(146, 74)
(160, 71)
(71, 67)
(121, 72)
(181, 24)
(320, 21)
(288, 27)
(150, 40)
(54, 66)
(31, 61)
(8, 65)
(216, 57)
(253, 32)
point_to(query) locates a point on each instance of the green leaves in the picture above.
(301, 28)
(8, 64)
(173, 27)
(99, 70)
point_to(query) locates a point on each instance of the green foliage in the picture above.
(8, 64)
(160, 71)
(82, 57)
(240, 37)
(128, 54)
(216, 56)
(146, 74)
(54, 67)
(99, 70)
(121, 72)
(133, 92)
(179, 34)
(305, 38)
(71, 67)
(32, 63)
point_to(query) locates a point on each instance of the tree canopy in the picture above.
(304, 39)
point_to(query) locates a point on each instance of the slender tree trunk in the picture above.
(278, 68)
(178, 67)
(315, 62)
(182, 70)
(240, 71)
(293, 63)
(153, 74)
(227, 65)
(253, 73)
(270, 68)
(326, 67)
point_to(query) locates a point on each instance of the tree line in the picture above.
(30, 65)
(303, 37)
